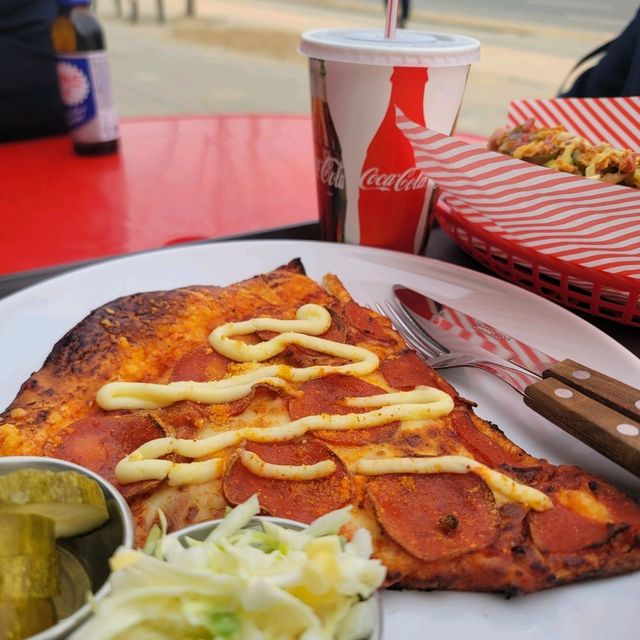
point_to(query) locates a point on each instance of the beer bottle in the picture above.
(85, 83)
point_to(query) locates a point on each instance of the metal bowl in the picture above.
(84, 559)
(201, 530)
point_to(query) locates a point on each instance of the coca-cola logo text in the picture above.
(332, 172)
(408, 180)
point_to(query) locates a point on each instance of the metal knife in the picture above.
(599, 410)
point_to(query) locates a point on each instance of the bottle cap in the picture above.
(408, 49)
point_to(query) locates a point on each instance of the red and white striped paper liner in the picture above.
(573, 219)
(614, 120)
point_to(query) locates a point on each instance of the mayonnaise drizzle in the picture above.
(496, 481)
(419, 404)
(311, 319)
(146, 463)
(259, 467)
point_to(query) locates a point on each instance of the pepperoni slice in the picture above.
(322, 396)
(338, 329)
(303, 500)
(358, 437)
(100, 442)
(199, 365)
(368, 324)
(435, 516)
(561, 530)
(622, 508)
(202, 364)
(484, 449)
(409, 370)
(297, 356)
(183, 419)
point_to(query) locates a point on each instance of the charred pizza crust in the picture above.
(440, 531)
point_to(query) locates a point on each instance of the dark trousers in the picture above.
(30, 103)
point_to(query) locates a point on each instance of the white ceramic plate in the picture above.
(33, 319)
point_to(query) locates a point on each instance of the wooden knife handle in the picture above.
(615, 394)
(611, 433)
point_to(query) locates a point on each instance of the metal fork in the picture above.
(436, 355)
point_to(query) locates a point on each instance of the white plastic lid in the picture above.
(408, 49)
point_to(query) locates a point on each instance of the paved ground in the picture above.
(571, 14)
(240, 56)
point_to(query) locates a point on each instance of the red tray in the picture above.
(608, 296)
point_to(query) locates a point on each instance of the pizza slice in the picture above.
(195, 399)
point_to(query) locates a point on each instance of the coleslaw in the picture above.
(247, 580)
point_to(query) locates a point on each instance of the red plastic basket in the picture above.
(601, 294)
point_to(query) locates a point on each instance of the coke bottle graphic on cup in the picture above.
(330, 177)
(393, 192)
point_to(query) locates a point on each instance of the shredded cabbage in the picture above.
(243, 583)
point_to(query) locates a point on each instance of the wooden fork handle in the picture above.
(611, 433)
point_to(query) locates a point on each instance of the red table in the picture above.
(175, 179)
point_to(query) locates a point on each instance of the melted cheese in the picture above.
(496, 481)
(584, 504)
(259, 467)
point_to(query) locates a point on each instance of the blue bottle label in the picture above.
(85, 87)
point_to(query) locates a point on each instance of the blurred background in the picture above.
(240, 55)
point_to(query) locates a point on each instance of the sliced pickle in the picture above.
(22, 618)
(73, 501)
(25, 533)
(29, 576)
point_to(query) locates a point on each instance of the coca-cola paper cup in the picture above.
(369, 189)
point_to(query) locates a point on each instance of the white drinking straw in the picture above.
(392, 19)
